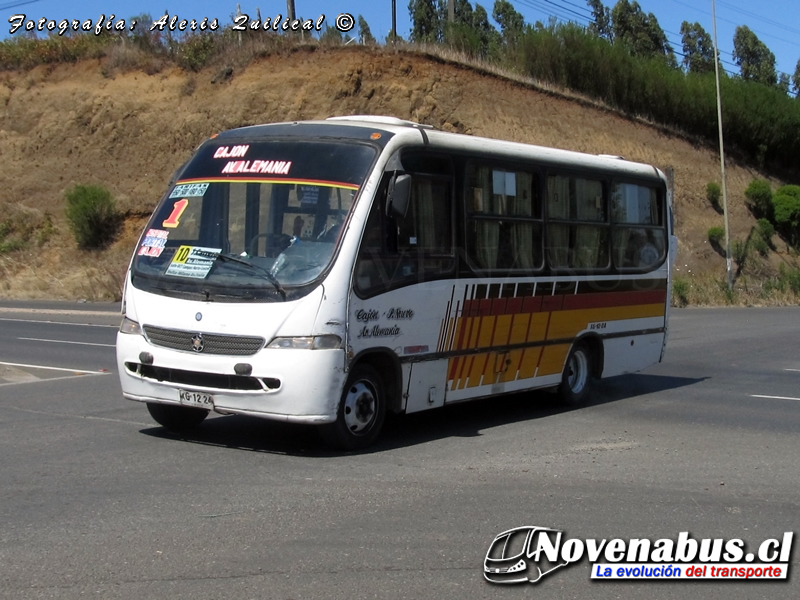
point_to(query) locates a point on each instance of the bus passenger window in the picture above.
(578, 232)
(504, 228)
(639, 235)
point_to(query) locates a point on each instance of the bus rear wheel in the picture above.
(361, 411)
(176, 418)
(576, 381)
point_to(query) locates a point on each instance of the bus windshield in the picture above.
(251, 221)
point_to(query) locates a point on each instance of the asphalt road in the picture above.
(97, 501)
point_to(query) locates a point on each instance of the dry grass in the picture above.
(124, 57)
(57, 269)
(711, 289)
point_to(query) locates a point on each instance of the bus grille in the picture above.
(213, 381)
(231, 345)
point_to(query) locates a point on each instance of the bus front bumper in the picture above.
(296, 386)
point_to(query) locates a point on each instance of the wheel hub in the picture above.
(578, 372)
(359, 407)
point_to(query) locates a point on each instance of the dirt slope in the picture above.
(129, 131)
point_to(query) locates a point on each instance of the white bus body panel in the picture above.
(450, 355)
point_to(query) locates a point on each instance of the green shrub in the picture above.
(759, 244)
(195, 52)
(9, 242)
(21, 225)
(765, 229)
(761, 238)
(713, 193)
(739, 250)
(790, 278)
(715, 235)
(92, 215)
(759, 199)
(680, 292)
(786, 205)
(728, 293)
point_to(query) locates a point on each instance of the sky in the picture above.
(775, 22)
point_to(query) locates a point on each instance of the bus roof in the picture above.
(363, 127)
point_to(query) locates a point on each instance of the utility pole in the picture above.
(290, 10)
(728, 261)
(394, 21)
(451, 11)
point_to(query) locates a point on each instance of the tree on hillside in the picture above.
(364, 33)
(471, 32)
(460, 33)
(510, 21)
(426, 22)
(755, 61)
(640, 32)
(489, 36)
(463, 12)
(698, 49)
(331, 35)
(601, 20)
(796, 80)
(784, 83)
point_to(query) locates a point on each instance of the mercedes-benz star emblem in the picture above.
(198, 317)
(197, 342)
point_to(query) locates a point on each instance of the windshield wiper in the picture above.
(269, 276)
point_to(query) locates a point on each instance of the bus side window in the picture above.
(415, 248)
(639, 237)
(577, 228)
(504, 218)
(370, 267)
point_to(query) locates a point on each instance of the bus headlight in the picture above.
(129, 326)
(317, 342)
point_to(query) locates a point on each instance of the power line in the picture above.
(585, 21)
(777, 24)
(557, 9)
(734, 23)
(539, 6)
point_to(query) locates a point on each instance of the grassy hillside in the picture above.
(93, 122)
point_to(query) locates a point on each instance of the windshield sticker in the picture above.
(231, 151)
(309, 195)
(173, 220)
(154, 242)
(193, 261)
(277, 167)
(189, 190)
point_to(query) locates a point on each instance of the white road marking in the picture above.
(58, 323)
(775, 397)
(54, 368)
(792, 370)
(66, 342)
(59, 311)
(38, 379)
(86, 417)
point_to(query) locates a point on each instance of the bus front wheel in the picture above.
(576, 381)
(361, 411)
(176, 418)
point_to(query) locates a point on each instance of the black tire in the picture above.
(577, 380)
(361, 411)
(176, 418)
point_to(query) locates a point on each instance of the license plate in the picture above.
(197, 399)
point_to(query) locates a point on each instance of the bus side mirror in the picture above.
(399, 195)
